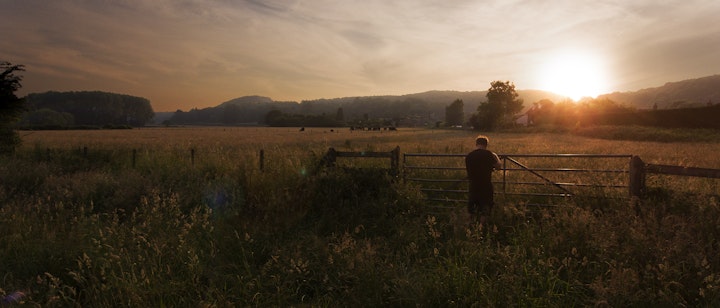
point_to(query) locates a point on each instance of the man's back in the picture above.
(479, 165)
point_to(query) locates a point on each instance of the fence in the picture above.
(443, 176)
(330, 159)
(640, 170)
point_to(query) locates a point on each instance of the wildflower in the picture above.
(430, 222)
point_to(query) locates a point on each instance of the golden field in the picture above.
(99, 228)
(698, 154)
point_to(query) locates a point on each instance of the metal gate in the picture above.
(541, 179)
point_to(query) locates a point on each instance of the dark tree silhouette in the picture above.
(11, 106)
(501, 108)
(454, 114)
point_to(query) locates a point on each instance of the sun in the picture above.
(574, 74)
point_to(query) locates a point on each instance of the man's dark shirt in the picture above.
(479, 165)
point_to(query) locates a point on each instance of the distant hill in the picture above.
(410, 109)
(99, 108)
(161, 117)
(682, 94)
(254, 99)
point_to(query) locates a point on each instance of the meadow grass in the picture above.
(91, 229)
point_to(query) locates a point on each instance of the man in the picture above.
(480, 164)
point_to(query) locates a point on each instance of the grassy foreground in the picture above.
(91, 229)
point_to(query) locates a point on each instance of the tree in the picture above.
(541, 113)
(454, 114)
(273, 116)
(10, 105)
(46, 118)
(340, 115)
(500, 109)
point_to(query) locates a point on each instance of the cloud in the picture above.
(292, 49)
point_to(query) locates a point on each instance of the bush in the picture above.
(345, 198)
(9, 140)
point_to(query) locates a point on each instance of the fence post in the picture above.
(504, 171)
(192, 157)
(331, 157)
(395, 160)
(134, 157)
(637, 177)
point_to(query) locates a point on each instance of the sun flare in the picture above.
(574, 74)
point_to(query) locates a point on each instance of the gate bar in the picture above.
(537, 174)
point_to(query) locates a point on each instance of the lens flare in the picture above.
(13, 298)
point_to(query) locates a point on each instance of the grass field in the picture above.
(95, 228)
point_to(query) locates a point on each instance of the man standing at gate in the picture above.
(480, 164)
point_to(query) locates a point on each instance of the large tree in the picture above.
(454, 114)
(11, 106)
(500, 110)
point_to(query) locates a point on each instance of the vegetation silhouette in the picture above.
(11, 106)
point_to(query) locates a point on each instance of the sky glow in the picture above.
(575, 74)
(200, 53)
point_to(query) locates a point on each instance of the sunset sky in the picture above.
(182, 54)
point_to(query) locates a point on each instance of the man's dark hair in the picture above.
(481, 140)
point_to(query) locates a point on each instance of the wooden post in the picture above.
(85, 152)
(637, 177)
(192, 157)
(504, 171)
(331, 157)
(395, 160)
(134, 157)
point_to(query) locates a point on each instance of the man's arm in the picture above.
(497, 164)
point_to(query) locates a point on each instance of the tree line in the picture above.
(85, 108)
(503, 108)
(279, 119)
(407, 111)
(603, 111)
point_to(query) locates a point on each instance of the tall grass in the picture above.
(92, 230)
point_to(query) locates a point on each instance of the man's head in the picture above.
(481, 141)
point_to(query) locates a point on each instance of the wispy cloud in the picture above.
(174, 51)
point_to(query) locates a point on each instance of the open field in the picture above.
(700, 154)
(96, 228)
